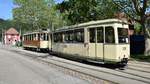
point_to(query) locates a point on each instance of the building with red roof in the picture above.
(11, 36)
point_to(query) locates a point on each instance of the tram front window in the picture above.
(122, 35)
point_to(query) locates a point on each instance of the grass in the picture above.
(140, 58)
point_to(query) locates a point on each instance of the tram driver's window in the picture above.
(109, 35)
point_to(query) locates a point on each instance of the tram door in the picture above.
(96, 43)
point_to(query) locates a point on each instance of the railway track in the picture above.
(133, 73)
(120, 73)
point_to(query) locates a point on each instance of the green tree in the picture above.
(35, 14)
(136, 10)
(78, 11)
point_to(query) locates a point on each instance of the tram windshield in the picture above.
(123, 35)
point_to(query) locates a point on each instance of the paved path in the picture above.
(16, 69)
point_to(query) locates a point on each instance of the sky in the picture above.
(6, 7)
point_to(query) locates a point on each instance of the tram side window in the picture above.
(60, 38)
(109, 35)
(66, 37)
(30, 37)
(44, 36)
(57, 37)
(69, 36)
(79, 36)
(47, 36)
(92, 35)
(34, 37)
(38, 37)
(100, 38)
(26, 37)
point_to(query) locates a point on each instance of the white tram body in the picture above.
(36, 40)
(101, 41)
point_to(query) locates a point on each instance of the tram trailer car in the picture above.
(105, 41)
(36, 41)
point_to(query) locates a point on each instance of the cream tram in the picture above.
(103, 41)
(36, 40)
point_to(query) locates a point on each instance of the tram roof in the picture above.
(36, 32)
(98, 22)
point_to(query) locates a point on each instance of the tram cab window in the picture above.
(122, 35)
(109, 35)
